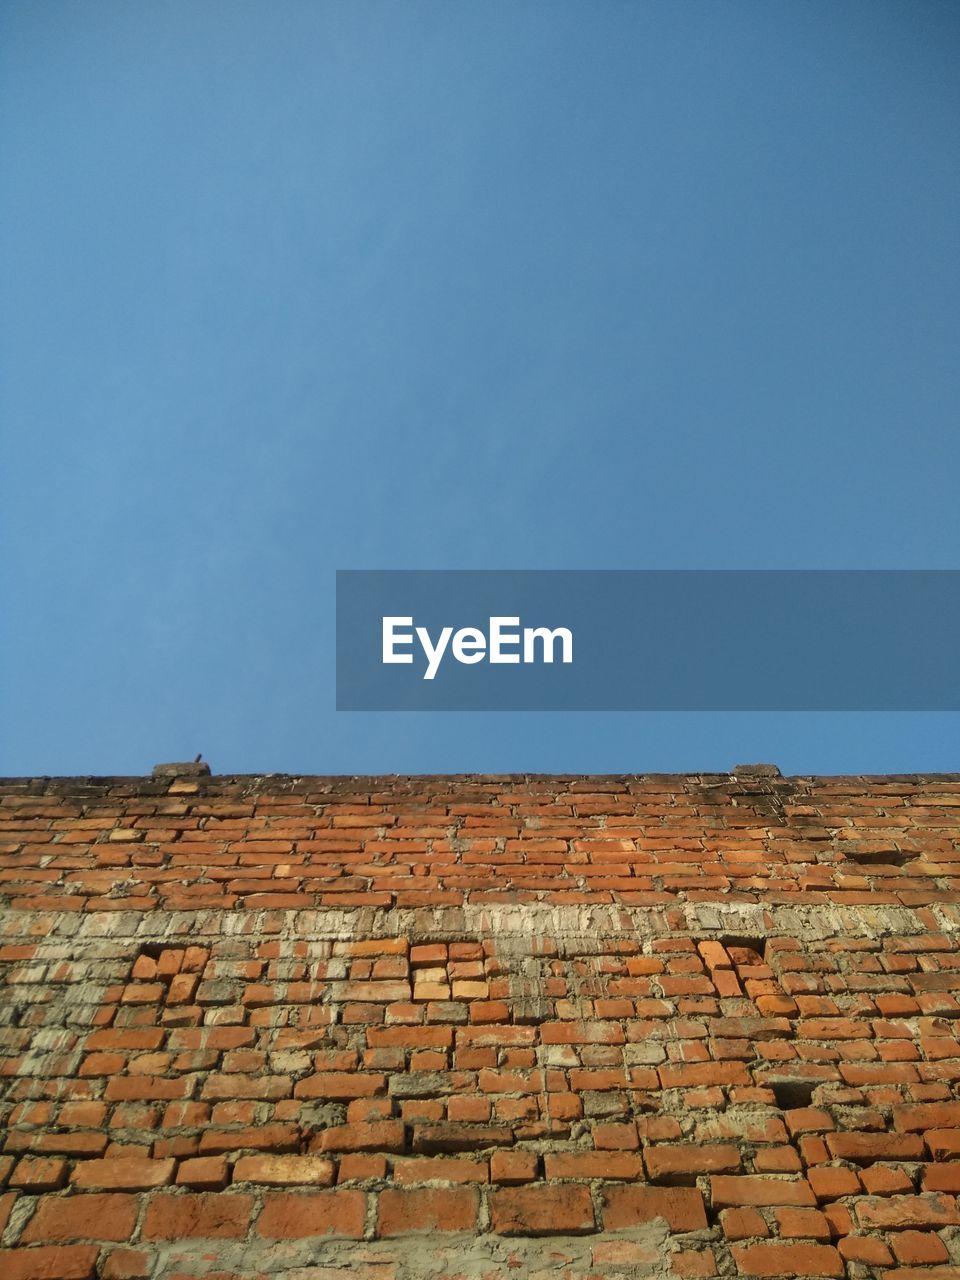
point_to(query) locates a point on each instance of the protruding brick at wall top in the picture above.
(182, 769)
(755, 771)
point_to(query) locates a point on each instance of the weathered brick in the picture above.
(682, 1207)
(439, 1169)
(832, 1184)
(77, 1262)
(581, 1033)
(865, 1148)
(82, 1217)
(512, 1168)
(336, 1084)
(751, 1190)
(897, 1213)
(918, 1248)
(541, 1211)
(39, 1173)
(127, 1264)
(377, 1135)
(267, 1137)
(203, 1173)
(869, 1250)
(196, 1215)
(683, 1164)
(429, 1138)
(128, 1174)
(808, 1224)
(318, 1213)
(776, 1259)
(743, 1224)
(610, 1165)
(402, 1212)
(695, 1074)
(927, 1115)
(284, 1171)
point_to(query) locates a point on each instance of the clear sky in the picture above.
(289, 287)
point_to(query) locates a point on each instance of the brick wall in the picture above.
(469, 1027)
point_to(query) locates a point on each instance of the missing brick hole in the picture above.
(792, 1094)
(154, 950)
(883, 858)
(757, 945)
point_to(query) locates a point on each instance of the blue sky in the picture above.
(292, 287)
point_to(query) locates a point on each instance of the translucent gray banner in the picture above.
(648, 640)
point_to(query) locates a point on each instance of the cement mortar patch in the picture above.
(573, 928)
(642, 1252)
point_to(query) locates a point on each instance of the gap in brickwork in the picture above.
(793, 1094)
(880, 857)
(742, 943)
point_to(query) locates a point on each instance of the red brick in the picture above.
(777, 1160)
(127, 1174)
(683, 1164)
(6, 1208)
(942, 1177)
(439, 1169)
(610, 1165)
(866, 1249)
(76, 1263)
(357, 1168)
(67, 1144)
(808, 1224)
(238, 1085)
(949, 1272)
(615, 1137)
(513, 1167)
(193, 1215)
(943, 1144)
(694, 1263)
(694, 1074)
(541, 1211)
(204, 1173)
(284, 1171)
(865, 1148)
(759, 1191)
(336, 1084)
(441, 1138)
(638, 1254)
(682, 1207)
(715, 955)
(147, 1088)
(832, 1184)
(882, 1180)
(743, 1224)
(83, 1114)
(918, 1248)
(415, 1037)
(927, 1115)
(267, 1137)
(319, 1213)
(424, 1211)
(808, 1120)
(39, 1173)
(775, 1259)
(897, 1213)
(581, 1033)
(82, 1217)
(127, 1264)
(379, 1135)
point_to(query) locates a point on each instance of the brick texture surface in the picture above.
(702, 1025)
